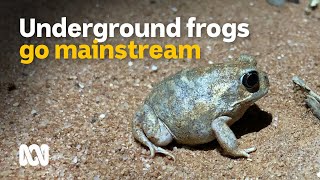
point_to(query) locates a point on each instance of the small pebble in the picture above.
(275, 121)
(147, 167)
(97, 99)
(136, 82)
(72, 77)
(130, 63)
(102, 116)
(74, 160)
(34, 112)
(210, 62)
(80, 85)
(174, 9)
(149, 86)
(230, 166)
(16, 104)
(318, 174)
(154, 68)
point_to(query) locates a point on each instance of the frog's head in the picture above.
(253, 83)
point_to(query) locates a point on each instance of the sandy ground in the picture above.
(49, 107)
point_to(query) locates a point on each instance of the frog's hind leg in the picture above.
(151, 132)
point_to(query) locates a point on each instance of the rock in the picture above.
(74, 160)
(80, 85)
(275, 121)
(72, 77)
(146, 167)
(174, 9)
(16, 104)
(34, 112)
(230, 166)
(130, 63)
(314, 3)
(102, 116)
(154, 68)
(97, 99)
(149, 86)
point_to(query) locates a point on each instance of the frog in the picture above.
(196, 106)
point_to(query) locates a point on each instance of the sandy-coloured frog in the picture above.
(197, 106)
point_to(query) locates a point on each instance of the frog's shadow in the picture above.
(253, 120)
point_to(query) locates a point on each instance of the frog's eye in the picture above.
(250, 80)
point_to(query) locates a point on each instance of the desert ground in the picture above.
(83, 108)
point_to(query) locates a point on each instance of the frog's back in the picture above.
(190, 100)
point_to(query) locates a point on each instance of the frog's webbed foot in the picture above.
(227, 139)
(151, 132)
(155, 149)
(250, 150)
(245, 152)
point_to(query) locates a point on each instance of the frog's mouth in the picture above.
(263, 90)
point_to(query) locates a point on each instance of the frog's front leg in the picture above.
(151, 131)
(227, 139)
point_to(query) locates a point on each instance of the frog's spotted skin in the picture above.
(197, 106)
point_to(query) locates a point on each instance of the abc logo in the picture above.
(42, 155)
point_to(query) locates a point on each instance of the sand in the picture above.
(83, 109)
